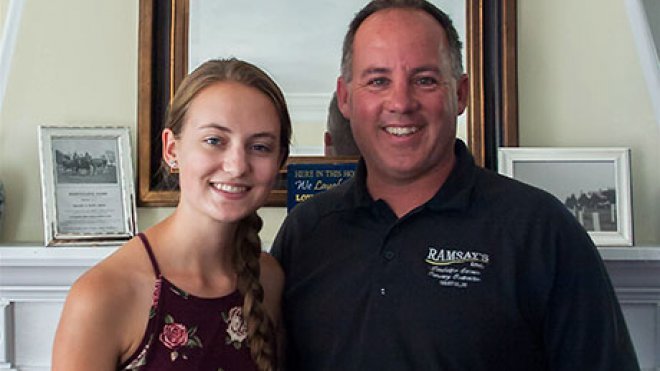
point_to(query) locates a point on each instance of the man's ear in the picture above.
(328, 149)
(342, 97)
(169, 146)
(462, 92)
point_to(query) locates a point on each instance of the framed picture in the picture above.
(171, 31)
(593, 183)
(87, 185)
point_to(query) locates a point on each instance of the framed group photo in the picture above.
(87, 185)
(593, 183)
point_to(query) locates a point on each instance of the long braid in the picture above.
(261, 331)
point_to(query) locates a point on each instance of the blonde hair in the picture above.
(261, 330)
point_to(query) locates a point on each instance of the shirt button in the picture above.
(383, 291)
(389, 255)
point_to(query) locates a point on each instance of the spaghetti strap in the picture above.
(152, 257)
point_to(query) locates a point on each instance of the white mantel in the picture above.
(34, 281)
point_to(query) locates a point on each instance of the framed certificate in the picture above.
(87, 185)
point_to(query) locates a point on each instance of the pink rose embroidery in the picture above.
(156, 293)
(154, 299)
(179, 338)
(236, 326)
(174, 335)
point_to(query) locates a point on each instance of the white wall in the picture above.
(581, 84)
(75, 63)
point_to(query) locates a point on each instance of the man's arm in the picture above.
(584, 328)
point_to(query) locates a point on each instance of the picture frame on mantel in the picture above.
(593, 183)
(87, 185)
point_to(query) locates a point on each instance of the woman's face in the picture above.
(228, 152)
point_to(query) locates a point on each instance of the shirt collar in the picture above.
(455, 193)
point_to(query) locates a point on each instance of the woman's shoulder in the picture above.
(271, 270)
(114, 281)
(272, 281)
(104, 310)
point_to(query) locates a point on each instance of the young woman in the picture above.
(194, 292)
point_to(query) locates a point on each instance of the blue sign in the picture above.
(306, 180)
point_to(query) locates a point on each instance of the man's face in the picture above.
(403, 99)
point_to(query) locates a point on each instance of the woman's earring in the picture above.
(174, 166)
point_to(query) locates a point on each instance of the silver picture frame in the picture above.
(593, 183)
(87, 183)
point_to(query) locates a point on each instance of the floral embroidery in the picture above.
(177, 337)
(154, 298)
(141, 359)
(179, 292)
(174, 335)
(156, 294)
(236, 327)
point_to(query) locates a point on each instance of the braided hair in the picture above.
(261, 330)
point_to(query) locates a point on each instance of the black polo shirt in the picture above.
(490, 274)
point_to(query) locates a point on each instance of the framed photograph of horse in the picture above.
(593, 183)
(87, 185)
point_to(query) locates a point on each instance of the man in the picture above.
(338, 138)
(424, 261)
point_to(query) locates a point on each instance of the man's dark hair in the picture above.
(340, 131)
(378, 5)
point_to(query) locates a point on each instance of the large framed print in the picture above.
(87, 185)
(593, 183)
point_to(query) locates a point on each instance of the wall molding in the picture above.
(32, 275)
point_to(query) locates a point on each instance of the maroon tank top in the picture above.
(186, 332)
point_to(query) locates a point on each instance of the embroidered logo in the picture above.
(456, 268)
